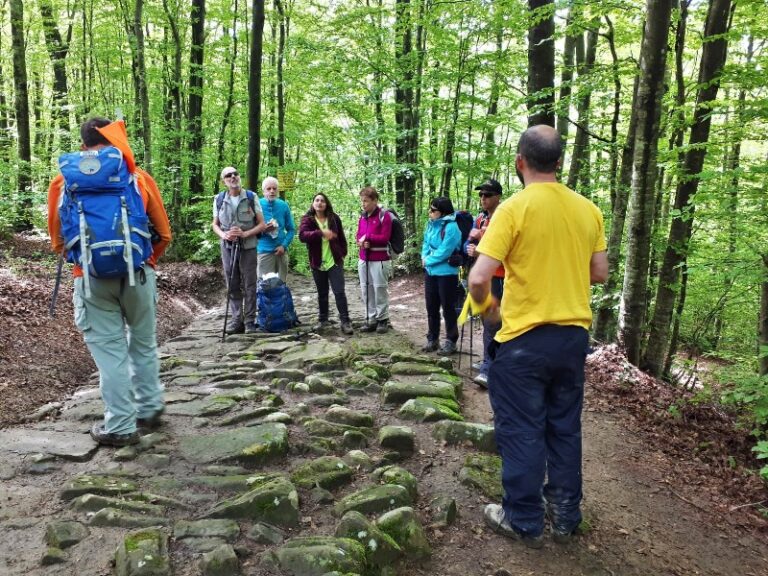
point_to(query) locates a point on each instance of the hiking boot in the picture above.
(346, 328)
(382, 327)
(369, 326)
(481, 380)
(150, 422)
(251, 327)
(235, 328)
(109, 439)
(497, 521)
(430, 346)
(478, 366)
(322, 325)
(559, 535)
(447, 348)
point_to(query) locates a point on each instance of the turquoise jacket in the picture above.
(438, 246)
(279, 210)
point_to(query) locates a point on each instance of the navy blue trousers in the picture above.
(536, 388)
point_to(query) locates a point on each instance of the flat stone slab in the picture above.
(322, 351)
(481, 436)
(398, 392)
(203, 407)
(414, 369)
(143, 553)
(373, 500)
(252, 445)
(327, 472)
(97, 484)
(272, 499)
(430, 410)
(67, 445)
(317, 556)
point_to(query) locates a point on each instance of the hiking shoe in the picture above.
(150, 422)
(430, 346)
(235, 328)
(559, 535)
(251, 327)
(109, 439)
(481, 380)
(346, 328)
(447, 348)
(321, 325)
(382, 327)
(369, 327)
(478, 366)
(497, 521)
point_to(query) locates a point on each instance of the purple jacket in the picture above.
(312, 236)
(377, 231)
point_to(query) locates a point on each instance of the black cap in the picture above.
(490, 185)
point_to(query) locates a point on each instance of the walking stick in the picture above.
(471, 338)
(55, 295)
(367, 283)
(233, 260)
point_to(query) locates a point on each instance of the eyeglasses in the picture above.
(433, 209)
(231, 174)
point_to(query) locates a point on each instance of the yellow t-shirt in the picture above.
(544, 236)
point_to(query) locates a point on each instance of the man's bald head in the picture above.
(541, 147)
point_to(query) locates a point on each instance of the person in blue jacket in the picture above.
(277, 236)
(442, 238)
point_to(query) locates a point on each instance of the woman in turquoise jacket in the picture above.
(442, 238)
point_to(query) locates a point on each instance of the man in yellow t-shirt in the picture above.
(551, 242)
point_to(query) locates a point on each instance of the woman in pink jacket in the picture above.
(374, 265)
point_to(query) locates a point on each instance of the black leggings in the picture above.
(441, 292)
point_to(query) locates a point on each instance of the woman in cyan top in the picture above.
(322, 232)
(442, 238)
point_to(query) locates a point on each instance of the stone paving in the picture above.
(301, 453)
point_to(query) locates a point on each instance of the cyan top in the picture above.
(438, 247)
(279, 210)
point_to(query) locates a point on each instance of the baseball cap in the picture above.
(490, 185)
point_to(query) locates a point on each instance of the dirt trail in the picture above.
(643, 521)
(641, 524)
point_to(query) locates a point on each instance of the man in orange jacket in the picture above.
(118, 321)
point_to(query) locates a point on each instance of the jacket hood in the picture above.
(118, 137)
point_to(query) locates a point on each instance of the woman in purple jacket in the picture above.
(322, 232)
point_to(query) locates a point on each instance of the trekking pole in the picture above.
(55, 295)
(367, 283)
(461, 346)
(471, 338)
(233, 260)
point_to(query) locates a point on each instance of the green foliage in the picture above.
(743, 387)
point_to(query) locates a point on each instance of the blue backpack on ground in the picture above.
(103, 218)
(275, 303)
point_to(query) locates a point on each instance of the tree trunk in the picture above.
(23, 218)
(450, 135)
(566, 77)
(712, 62)
(57, 50)
(230, 97)
(174, 120)
(647, 104)
(140, 75)
(254, 94)
(541, 63)
(195, 117)
(604, 328)
(280, 89)
(763, 320)
(489, 136)
(406, 141)
(579, 170)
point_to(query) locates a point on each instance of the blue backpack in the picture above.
(275, 303)
(103, 218)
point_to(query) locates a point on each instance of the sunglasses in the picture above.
(231, 174)
(486, 194)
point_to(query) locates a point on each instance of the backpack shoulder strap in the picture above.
(251, 197)
(219, 201)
